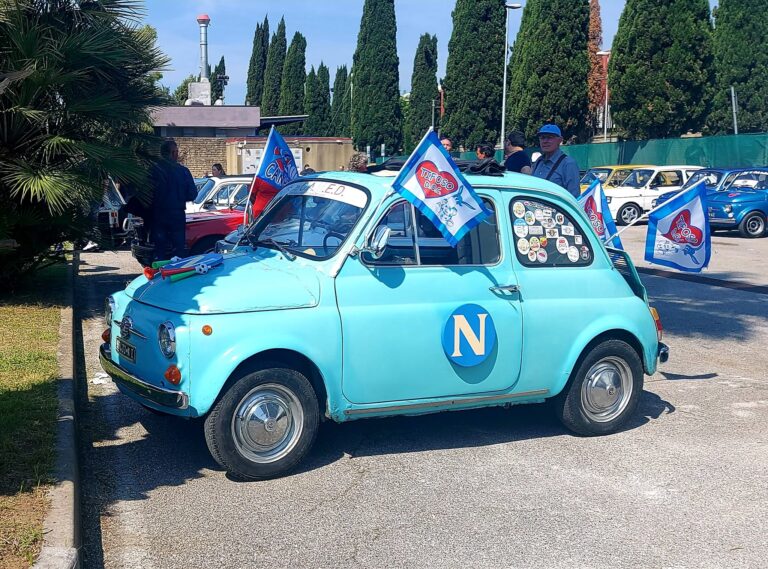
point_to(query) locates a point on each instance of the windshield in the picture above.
(711, 179)
(203, 189)
(638, 178)
(311, 219)
(746, 180)
(599, 173)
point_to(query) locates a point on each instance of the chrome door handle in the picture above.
(505, 288)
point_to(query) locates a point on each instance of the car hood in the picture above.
(201, 216)
(739, 196)
(244, 282)
(624, 192)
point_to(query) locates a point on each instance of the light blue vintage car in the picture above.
(342, 302)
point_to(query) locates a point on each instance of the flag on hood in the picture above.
(595, 205)
(276, 169)
(678, 232)
(432, 182)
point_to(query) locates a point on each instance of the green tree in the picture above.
(273, 73)
(309, 97)
(549, 68)
(181, 93)
(661, 70)
(76, 89)
(346, 108)
(339, 119)
(595, 81)
(376, 117)
(217, 85)
(474, 71)
(741, 61)
(317, 104)
(423, 92)
(292, 85)
(257, 65)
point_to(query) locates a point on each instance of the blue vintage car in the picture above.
(342, 302)
(745, 209)
(716, 180)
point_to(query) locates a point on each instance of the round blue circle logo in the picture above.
(469, 335)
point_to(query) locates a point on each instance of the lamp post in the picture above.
(605, 55)
(507, 7)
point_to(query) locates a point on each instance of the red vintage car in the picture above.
(204, 229)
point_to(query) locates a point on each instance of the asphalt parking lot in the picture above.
(684, 485)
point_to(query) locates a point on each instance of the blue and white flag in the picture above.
(277, 166)
(432, 182)
(596, 207)
(678, 232)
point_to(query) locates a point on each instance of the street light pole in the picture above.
(605, 55)
(507, 8)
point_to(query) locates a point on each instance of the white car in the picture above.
(219, 192)
(636, 194)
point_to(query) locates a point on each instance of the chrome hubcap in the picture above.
(629, 214)
(606, 390)
(755, 225)
(267, 423)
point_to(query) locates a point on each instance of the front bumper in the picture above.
(663, 354)
(125, 380)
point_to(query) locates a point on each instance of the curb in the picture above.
(61, 527)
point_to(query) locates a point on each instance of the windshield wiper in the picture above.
(279, 245)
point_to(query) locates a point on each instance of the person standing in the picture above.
(217, 170)
(172, 187)
(447, 143)
(554, 164)
(486, 163)
(517, 160)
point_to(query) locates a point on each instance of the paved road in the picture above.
(685, 485)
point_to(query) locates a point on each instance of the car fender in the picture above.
(747, 208)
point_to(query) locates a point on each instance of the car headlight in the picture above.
(654, 203)
(166, 337)
(109, 310)
(608, 199)
(728, 208)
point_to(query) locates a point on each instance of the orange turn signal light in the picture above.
(106, 335)
(657, 321)
(207, 330)
(173, 374)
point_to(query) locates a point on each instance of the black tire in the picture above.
(628, 213)
(274, 389)
(753, 225)
(205, 245)
(591, 408)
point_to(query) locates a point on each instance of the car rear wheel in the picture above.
(753, 225)
(603, 392)
(628, 213)
(264, 424)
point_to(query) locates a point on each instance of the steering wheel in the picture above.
(338, 236)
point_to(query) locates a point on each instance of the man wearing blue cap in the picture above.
(554, 164)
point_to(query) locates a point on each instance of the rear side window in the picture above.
(546, 236)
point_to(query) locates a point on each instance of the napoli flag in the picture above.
(277, 166)
(596, 207)
(678, 232)
(431, 181)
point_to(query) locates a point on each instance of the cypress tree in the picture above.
(309, 97)
(595, 87)
(474, 71)
(339, 121)
(423, 91)
(661, 70)
(376, 115)
(292, 85)
(549, 68)
(217, 87)
(255, 82)
(741, 61)
(346, 109)
(273, 73)
(181, 93)
(317, 104)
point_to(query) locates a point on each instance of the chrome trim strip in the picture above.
(133, 330)
(158, 395)
(431, 404)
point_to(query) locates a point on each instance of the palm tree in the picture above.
(78, 82)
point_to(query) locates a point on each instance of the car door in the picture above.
(427, 320)
(664, 181)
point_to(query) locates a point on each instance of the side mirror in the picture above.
(378, 243)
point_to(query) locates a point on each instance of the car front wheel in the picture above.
(753, 225)
(603, 392)
(264, 424)
(628, 214)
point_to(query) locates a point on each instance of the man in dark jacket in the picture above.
(172, 186)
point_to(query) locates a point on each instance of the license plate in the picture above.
(126, 350)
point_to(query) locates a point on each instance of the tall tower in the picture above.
(204, 22)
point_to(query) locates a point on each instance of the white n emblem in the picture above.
(461, 327)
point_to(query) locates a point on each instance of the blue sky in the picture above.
(330, 28)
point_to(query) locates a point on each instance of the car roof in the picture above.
(380, 184)
(625, 166)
